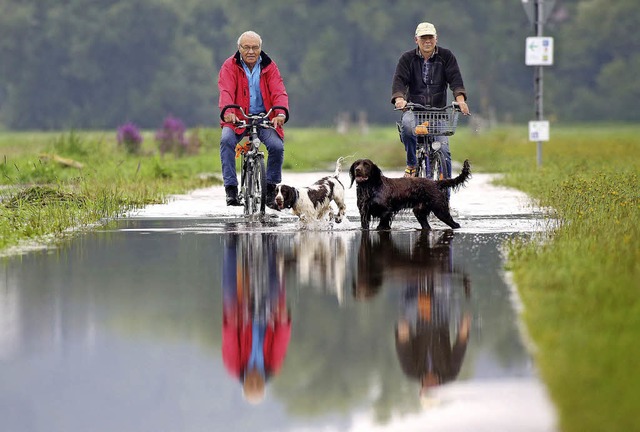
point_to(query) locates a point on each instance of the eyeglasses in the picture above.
(247, 48)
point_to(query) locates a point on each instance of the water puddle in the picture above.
(145, 326)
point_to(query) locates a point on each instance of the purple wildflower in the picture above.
(130, 137)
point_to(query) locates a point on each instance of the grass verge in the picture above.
(52, 184)
(580, 289)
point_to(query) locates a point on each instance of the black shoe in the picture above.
(232, 196)
(271, 197)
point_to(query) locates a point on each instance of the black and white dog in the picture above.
(314, 202)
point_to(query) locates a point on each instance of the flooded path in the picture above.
(144, 325)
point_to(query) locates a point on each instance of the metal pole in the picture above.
(538, 84)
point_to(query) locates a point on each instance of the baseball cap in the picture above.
(425, 28)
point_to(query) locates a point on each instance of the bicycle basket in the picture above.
(436, 122)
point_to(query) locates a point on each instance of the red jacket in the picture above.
(236, 346)
(234, 87)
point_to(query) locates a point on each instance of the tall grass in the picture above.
(43, 198)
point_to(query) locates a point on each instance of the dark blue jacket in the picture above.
(407, 80)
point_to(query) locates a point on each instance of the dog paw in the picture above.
(383, 228)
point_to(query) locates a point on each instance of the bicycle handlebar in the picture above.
(259, 119)
(416, 106)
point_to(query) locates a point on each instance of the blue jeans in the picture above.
(275, 149)
(409, 139)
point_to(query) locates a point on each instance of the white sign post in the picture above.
(539, 51)
(539, 130)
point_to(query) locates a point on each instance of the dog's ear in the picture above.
(290, 195)
(352, 172)
(376, 172)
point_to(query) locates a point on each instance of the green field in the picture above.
(579, 285)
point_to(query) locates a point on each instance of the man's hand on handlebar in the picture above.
(400, 103)
(230, 118)
(278, 120)
(464, 108)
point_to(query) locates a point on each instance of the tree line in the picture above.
(90, 65)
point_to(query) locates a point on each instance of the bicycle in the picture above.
(431, 122)
(253, 182)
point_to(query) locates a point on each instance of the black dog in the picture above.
(383, 197)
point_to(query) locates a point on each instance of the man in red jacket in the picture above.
(252, 80)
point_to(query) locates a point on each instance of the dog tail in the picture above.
(336, 174)
(456, 183)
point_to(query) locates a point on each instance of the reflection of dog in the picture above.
(383, 197)
(320, 259)
(427, 257)
(314, 202)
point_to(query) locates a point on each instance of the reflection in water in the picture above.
(256, 324)
(124, 330)
(320, 261)
(430, 309)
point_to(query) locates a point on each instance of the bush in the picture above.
(129, 136)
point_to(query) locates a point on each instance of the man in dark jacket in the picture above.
(422, 76)
(252, 80)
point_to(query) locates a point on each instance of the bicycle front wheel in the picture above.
(422, 170)
(255, 199)
(422, 167)
(438, 166)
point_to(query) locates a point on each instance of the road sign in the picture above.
(539, 51)
(529, 8)
(539, 130)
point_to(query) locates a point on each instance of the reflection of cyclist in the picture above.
(254, 338)
(428, 307)
(426, 273)
(422, 76)
(423, 340)
(252, 80)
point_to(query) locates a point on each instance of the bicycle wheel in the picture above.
(247, 186)
(260, 184)
(422, 168)
(256, 188)
(423, 163)
(438, 166)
